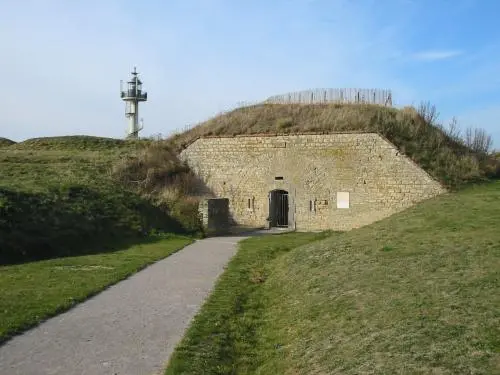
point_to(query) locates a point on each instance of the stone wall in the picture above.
(215, 215)
(334, 181)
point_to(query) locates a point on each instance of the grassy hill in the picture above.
(57, 189)
(415, 133)
(4, 142)
(59, 196)
(37, 164)
(416, 293)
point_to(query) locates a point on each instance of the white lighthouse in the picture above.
(132, 96)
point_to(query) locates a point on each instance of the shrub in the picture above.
(284, 123)
(158, 174)
(154, 168)
(185, 210)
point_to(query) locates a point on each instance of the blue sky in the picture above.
(62, 61)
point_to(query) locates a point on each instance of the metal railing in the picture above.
(134, 94)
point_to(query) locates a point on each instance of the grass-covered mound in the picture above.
(59, 196)
(79, 143)
(415, 132)
(416, 293)
(5, 142)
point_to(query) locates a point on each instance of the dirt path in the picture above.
(130, 328)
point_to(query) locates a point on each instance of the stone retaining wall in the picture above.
(334, 181)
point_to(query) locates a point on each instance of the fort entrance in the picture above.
(278, 208)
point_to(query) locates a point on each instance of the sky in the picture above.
(61, 61)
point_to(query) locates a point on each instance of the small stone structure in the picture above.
(309, 182)
(215, 215)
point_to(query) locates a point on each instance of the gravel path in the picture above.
(130, 328)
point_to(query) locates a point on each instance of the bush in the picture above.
(284, 123)
(185, 210)
(158, 174)
(154, 168)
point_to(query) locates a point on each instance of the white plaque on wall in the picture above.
(342, 199)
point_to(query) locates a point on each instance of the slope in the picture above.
(58, 197)
(416, 293)
(4, 142)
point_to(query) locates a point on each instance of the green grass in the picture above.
(59, 200)
(416, 293)
(39, 169)
(222, 339)
(32, 292)
(58, 196)
(78, 143)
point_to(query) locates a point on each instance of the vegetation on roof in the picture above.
(442, 152)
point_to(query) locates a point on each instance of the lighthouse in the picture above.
(132, 96)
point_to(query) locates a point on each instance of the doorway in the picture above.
(278, 208)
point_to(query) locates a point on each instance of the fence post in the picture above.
(334, 95)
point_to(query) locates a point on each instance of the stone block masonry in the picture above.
(323, 181)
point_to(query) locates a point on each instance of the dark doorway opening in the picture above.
(278, 208)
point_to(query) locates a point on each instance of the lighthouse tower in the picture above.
(132, 96)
